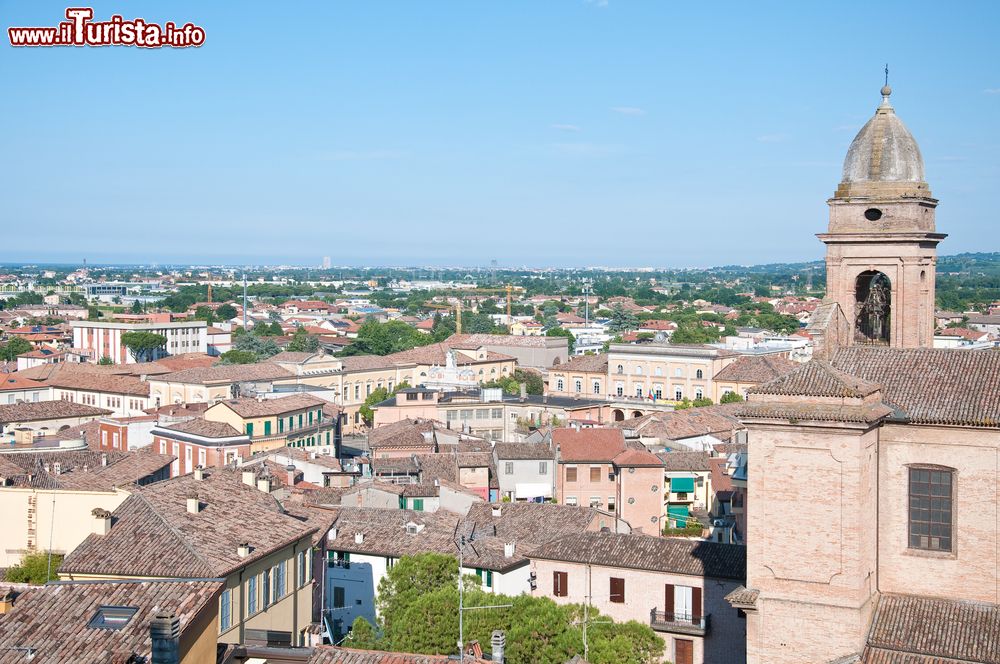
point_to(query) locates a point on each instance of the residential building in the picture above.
(200, 442)
(530, 351)
(297, 420)
(676, 586)
(104, 339)
(111, 621)
(45, 418)
(15, 388)
(196, 527)
(699, 429)
(595, 467)
(687, 486)
(209, 384)
(526, 471)
(670, 372)
(748, 371)
(581, 375)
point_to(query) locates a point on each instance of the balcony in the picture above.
(679, 623)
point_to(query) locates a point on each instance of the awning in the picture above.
(529, 490)
(682, 484)
(678, 514)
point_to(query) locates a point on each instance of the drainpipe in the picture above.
(295, 595)
(243, 607)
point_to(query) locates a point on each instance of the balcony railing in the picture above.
(678, 623)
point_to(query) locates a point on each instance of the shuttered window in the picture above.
(559, 583)
(570, 473)
(617, 590)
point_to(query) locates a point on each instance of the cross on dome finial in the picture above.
(886, 90)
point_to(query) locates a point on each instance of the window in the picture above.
(252, 595)
(559, 582)
(497, 413)
(250, 429)
(698, 393)
(621, 369)
(543, 467)
(482, 413)
(508, 468)
(278, 576)
(338, 597)
(619, 389)
(226, 610)
(611, 503)
(570, 500)
(559, 385)
(597, 387)
(466, 413)
(357, 392)
(658, 371)
(418, 504)
(678, 372)
(267, 428)
(638, 391)
(638, 371)
(678, 394)
(617, 590)
(570, 473)
(699, 374)
(578, 386)
(451, 415)
(931, 493)
(302, 568)
(595, 501)
(595, 473)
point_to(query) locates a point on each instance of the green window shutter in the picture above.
(267, 428)
(402, 503)
(281, 425)
(250, 429)
(300, 420)
(418, 504)
(682, 484)
(310, 418)
(489, 578)
(327, 437)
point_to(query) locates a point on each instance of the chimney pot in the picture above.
(508, 550)
(264, 484)
(165, 633)
(7, 600)
(199, 473)
(193, 504)
(243, 550)
(249, 478)
(359, 538)
(498, 641)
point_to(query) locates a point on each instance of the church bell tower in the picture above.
(881, 246)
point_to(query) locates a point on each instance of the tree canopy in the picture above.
(418, 609)
(560, 332)
(10, 350)
(375, 338)
(303, 342)
(143, 344)
(622, 320)
(35, 569)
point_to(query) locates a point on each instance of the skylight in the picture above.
(112, 617)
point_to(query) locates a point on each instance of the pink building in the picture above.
(595, 468)
(676, 586)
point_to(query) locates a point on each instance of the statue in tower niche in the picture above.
(881, 244)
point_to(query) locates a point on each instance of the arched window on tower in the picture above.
(873, 306)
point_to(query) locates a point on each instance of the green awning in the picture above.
(682, 484)
(678, 514)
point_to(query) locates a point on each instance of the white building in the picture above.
(104, 339)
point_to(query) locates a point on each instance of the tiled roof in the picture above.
(588, 363)
(635, 458)
(249, 407)
(227, 373)
(685, 461)
(47, 410)
(154, 535)
(658, 554)
(445, 466)
(932, 386)
(100, 382)
(756, 369)
(522, 451)
(866, 413)
(187, 361)
(17, 382)
(743, 596)
(404, 433)
(598, 444)
(476, 340)
(126, 470)
(818, 378)
(719, 421)
(199, 426)
(291, 357)
(438, 354)
(384, 531)
(53, 619)
(908, 629)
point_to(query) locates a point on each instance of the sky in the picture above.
(534, 133)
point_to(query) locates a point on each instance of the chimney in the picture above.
(332, 535)
(165, 632)
(102, 521)
(496, 509)
(193, 503)
(524, 392)
(498, 642)
(243, 550)
(57, 468)
(508, 550)
(359, 538)
(7, 600)
(199, 473)
(264, 484)
(249, 478)
(290, 479)
(86, 467)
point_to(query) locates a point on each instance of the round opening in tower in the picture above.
(873, 214)
(873, 306)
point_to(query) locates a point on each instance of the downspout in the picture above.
(295, 595)
(243, 607)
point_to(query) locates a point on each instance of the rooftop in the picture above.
(47, 410)
(756, 369)
(580, 445)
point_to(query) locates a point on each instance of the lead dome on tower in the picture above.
(884, 151)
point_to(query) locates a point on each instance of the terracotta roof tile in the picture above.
(228, 374)
(47, 410)
(660, 554)
(588, 363)
(597, 444)
(338, 655)
(756, 369)
(250, 407)
(686, 461)
(199, 426)
(818, 378)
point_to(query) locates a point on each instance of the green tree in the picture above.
(16, 346)
(622, 320)
(731, 397)
(93, 313)
(35, 569)
(143, 344)
(261, 347)
(303, 342)
(226, 312)
(105, 360)
(532, 380)
(363, 635)
(136, 307)
(205, 313)
(378, 395)
(375, 338)
(235, 356)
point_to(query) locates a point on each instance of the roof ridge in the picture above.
(175, 532)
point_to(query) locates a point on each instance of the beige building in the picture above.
(582, 375)
(213, 524)
(889, 448)
(675, 586)
(665, 372)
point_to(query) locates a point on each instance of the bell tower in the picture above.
(881, 245)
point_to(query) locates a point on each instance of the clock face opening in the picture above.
(873, 214)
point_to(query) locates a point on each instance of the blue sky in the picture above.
(540, 133)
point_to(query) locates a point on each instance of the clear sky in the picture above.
(534, 132)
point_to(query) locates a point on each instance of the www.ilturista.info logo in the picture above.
(81, 30)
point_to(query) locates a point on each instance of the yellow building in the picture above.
(297, 420)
